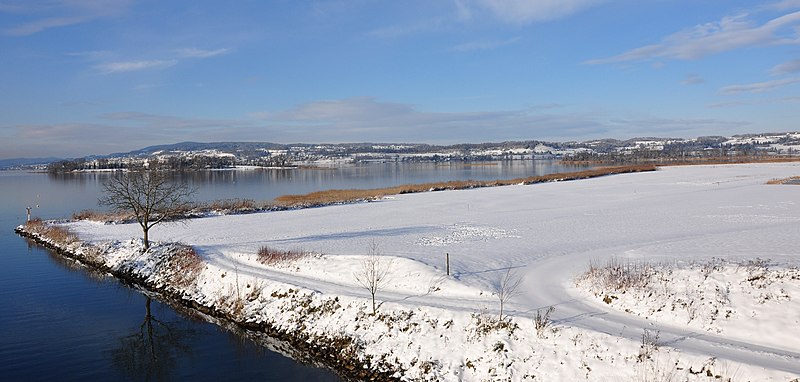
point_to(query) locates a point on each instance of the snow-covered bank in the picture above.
(734, 300)
(440, 328)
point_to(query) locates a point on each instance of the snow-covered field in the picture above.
(546, 233)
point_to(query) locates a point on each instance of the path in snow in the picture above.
(550, 230)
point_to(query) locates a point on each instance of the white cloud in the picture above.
(786, 68)
(132, 66)
(711, 38)
(784, 5)
(40, 25)
(463, 12)
(483, 45)
(525, 11)
(366, 119)
(60, 13)
(692, 79)
(407, 29)
(200, 53)
(758, 87)
(352, 120)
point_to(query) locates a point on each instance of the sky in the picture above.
(82, 77)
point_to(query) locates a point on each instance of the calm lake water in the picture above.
(62, 322)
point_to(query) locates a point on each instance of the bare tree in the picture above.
(149, 195)
(507, 289)
(374, 273)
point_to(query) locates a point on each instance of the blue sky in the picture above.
(82, 77)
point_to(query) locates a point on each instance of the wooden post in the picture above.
(447, 262)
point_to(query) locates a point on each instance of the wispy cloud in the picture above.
(692, 79)
(730, 33)
(483, 45)
(139, 65)
(133, 66)
(60, 13)
(403, 30)
(754, 102)
(92, 54)
(786, 68)
(758, 87)
(364, 118)
(526, 11)
(200, 53)
(718, 105)
(784, 5)
(40, 25)
(348, 120)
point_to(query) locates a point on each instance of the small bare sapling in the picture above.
(374, 273)
(507, 289)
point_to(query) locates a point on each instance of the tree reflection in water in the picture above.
(152, 352)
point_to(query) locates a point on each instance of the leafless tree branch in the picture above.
(150, 195)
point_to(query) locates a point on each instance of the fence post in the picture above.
(447, 262)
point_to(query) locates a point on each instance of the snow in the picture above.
(718, 297)
(546, 233)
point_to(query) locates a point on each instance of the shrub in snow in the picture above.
(56, 234)
(541, 321)
(618, 276)
(272, 256)
(484, 324)
(182, 265)
(650, 344)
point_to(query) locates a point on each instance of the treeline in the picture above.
(673, 154)
(174, 163)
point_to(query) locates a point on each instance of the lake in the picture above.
(62, 322)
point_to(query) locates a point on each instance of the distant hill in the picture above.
(225, 154)
(199, 146)
(17, 162)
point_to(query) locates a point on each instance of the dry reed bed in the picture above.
(57, 234)
(344, 196)
(321, 198)
(791, 180)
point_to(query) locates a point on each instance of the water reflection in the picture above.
(152, 351)
(264, 184)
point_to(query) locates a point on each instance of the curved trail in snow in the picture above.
(551, 230)
(552, 276)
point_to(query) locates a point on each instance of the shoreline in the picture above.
(331, 353)
(314, 317)
(349, 196)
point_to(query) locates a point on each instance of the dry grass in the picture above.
(791, 180)
(272, 256)
(56, 234)
(103, 216)
(235, 205)
(618, 276)
(344, 196)
(183, 266)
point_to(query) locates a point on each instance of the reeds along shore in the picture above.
(326, 197)
(340, 196)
